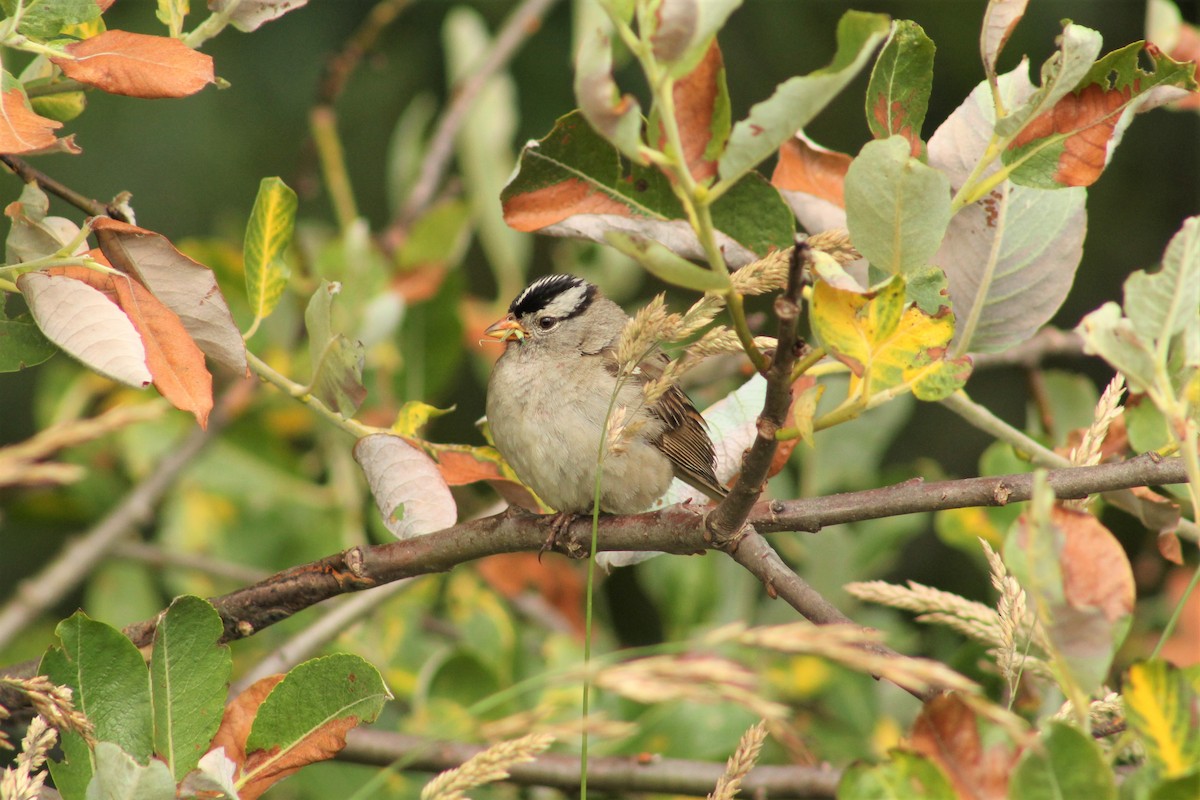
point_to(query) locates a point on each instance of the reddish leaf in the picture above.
(947, 733)
(185, 286)
(463, 464)
(1096, 572)
(702, 110)
(812, 180)
(1183, 648)
(1070, 144)
(23, 131)
(174, 360)
(554, 580)
(1169, 547)
(137, 65)
(420, 284)
(239, 716)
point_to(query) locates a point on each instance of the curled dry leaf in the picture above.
(1096, 571)
(947, 733)
(175, 362)
(812, 180)
(411, 494)
(185, 286)
(137, 65)
(250, 15)
(239, 717)
(87, 326)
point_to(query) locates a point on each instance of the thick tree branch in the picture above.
(622, 775)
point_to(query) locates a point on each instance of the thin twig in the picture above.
(1030, 354)
(196, 562)
(522, 23)
(622, 775)
(38, 593)
(23, 170)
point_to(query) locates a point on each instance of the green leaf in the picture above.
(46, 19)
(323, 697)
(798, 100)
(268, 234)
(1070, 143)
(337, 360)
(927, 287)
(897, 208)
(1163, 304)
(110, 685)
(666, 266)
(119, 777)
(1160, 705)
(61, 106)
(1111, 336)
(901, 82)
(189, 679)
(574, 183)
(903, 776)
(1063, 763)
(22, 344)
(437, 238)
(172, 13)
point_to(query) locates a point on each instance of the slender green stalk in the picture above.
(302, 393)
(988, 422)
(333, 164)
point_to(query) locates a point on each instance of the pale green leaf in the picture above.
(897, 208)
(119, 777)
(1165, 303)
(1063, 763)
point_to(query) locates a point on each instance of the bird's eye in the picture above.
(546, 323)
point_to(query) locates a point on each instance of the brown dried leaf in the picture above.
(174, 360)
(1096, 572)
(947, 733)
(188, 288)
(137, 65)
(805, 166)
(239, 717)
(321, 745)
(23, 131)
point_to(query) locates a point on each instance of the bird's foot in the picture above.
(561, 523)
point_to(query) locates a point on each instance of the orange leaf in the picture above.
(541, 208)
(554, 579)
(239, 716)
(174, 360)
(946, 732)
(696, 96)
(806, 167)
(23, 131)
(1096, 572)
(137, 65)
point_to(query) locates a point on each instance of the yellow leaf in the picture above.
(1158, 703)
(415, 415)
(888, 347)
(268, 235)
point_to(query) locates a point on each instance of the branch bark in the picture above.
(624, 775)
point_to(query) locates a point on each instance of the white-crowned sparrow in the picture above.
(550, 393)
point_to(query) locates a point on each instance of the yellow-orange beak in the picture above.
(506, 330)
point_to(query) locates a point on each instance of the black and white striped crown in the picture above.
(560, 296)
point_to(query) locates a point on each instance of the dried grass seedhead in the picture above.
(25, 779)
(740, 763)
(769, 273)
(53, 702)
(691, 678)
(489, 766)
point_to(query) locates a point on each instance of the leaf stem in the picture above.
(983, 419)
(333, 164)
(807, 362)
(289, 387)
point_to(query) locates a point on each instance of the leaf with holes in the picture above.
(574, 183)
(1070, 143)
(136, 65)
(408, 488)
(87, 326)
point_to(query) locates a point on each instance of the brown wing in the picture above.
(684, 439)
